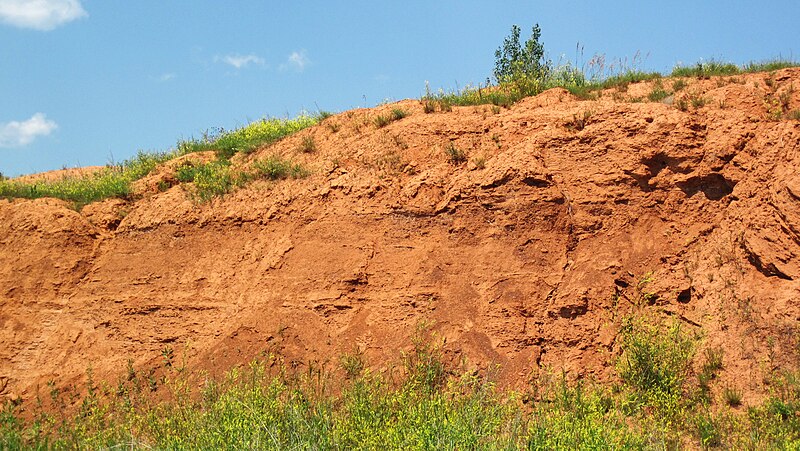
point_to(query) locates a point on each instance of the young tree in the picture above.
(512, 60)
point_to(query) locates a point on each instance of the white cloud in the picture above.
(240, 61)
(297, 61)
(41, 15)
(166, 77)
(17, 134)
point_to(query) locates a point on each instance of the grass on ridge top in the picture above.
(580, 84)
(112, 181)
(116, 180)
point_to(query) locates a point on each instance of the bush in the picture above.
(654, 363)
(515, 62)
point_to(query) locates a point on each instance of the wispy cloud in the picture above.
(240, 61)
(297, 61)
(17, 134)
(41, 15)
(166, 77)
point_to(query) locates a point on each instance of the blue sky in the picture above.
(87, 82)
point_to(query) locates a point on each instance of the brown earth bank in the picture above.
(525, 258)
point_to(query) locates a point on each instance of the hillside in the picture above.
(520, 237)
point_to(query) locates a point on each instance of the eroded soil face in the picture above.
(526, 256)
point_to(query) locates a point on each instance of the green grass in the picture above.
(248, 138)
(427, 405)
(583, 86)
(658, 93)
(211, 179)
(112, 181)
(395, 115)
(454, 154)
(712, 68)
(217, 178)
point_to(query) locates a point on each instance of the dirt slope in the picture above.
(528, 255)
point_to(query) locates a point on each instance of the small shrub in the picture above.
(352, 364)
(382, 121)
(713, 359)
(794, 115)
(454, 154)
(579, 121)
(276, 168)
(732, 396)
(398, 114)
(678, 85)
(215, 179)
(698, 102)
(516, 61)
(186, 172)
(308, 145)
(654, 362)
(682, 104)
(424, 367)
(708, 431)
(658, 93)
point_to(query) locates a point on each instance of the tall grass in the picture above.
(433, 406)
(582, 83)
(111, 181)
(217, 178)
(248, 138)
(212, 179)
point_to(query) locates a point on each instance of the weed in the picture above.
(248, 138)
(713, 359)
(398, 114)
(654, 362)
(454, 154)
(276, 168)
(167, 355)
(395, 115)
(334, 127)
(382, 121)
(706, 69)
(708, 431)
(480, 162)
(682, 104)
(698, 102)
(678, 85)
(112, 181)
(496, 140)
(794, 115)
(732, 396)
(658, 93)
(399, 142)
(307, 144)
(579, 122)
(352, 364)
